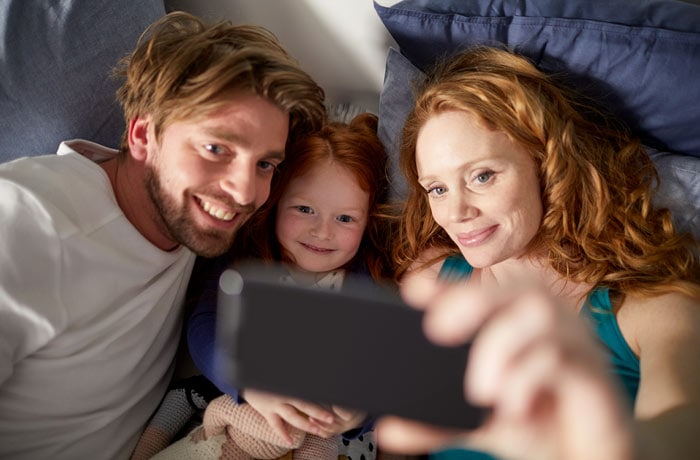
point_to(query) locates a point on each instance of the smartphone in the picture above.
(360, 348)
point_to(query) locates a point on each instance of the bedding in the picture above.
(639, 59)
(55, 63)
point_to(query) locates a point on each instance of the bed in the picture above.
(640, 58)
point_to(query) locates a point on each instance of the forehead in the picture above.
(238, 114)
(329, 182)
(453, 138)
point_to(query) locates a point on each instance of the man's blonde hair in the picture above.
(183, 68)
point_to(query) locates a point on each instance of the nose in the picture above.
(322, 229)
(239, 182)
(461, 208)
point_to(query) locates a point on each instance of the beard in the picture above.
(175, 221)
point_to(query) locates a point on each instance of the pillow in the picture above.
(395, 103)
(639, 58)
(679, 188)
(55, 64)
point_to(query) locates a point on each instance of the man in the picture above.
(98, 246)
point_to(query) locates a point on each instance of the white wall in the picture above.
(341, 43)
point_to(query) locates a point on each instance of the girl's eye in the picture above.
(345, 218)
(436, 191)
(214, 148)
(305, 209)
(483, 177)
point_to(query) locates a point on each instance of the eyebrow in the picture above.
(233, 138)
(312, 204)
(468, 165)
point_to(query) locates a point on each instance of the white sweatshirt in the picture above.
(90, 312)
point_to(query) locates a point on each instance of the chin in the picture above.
(481, 261)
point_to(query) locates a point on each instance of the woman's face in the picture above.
(321, 218)
(482, 188)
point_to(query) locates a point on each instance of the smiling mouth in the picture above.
(316, 249)
(216, 212)
(475, 238)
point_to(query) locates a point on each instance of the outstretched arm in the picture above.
(537, 365)
(668, 401)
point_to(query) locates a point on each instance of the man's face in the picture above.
(208, 175)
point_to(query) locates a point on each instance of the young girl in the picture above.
(322, 220)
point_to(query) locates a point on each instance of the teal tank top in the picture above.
(598, 311)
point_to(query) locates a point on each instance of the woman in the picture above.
(530, 220)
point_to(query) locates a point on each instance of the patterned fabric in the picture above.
(238, 432)
(332, 281)
(186, 399)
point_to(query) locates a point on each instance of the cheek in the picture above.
(439, 212)
(262, 191)
(282, 226)
(528, 208)
(352, 238)
(290, 225)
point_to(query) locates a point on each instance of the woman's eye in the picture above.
(305, 209)
(436, 191)
(345, 218)
(214, 148)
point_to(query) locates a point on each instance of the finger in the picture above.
(342, 413)
(502, 340)
(314, 411)
(529, 392)
(457, 313)
(348, 414)
(298, 420)
(409, 437)
(419, 287)
(327, 432)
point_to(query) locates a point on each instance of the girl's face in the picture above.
(482, 188)
(321, 218)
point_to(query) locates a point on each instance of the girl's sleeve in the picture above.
(201, 328)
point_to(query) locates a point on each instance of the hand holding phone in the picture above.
(310, 344)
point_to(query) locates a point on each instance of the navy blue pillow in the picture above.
(55, 63)
(640, 58)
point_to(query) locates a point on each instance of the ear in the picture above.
(139, 137)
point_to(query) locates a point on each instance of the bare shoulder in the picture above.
(653, 321)
(663, 331)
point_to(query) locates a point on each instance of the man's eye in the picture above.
(214, 148)
(266, 165)
(345, 218)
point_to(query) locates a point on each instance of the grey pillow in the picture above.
(55, 63)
